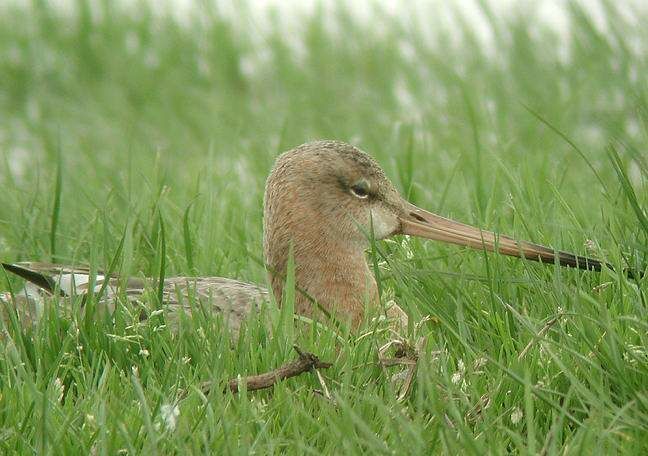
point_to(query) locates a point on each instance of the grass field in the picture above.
(114, 125)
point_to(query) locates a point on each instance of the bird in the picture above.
(324, 202)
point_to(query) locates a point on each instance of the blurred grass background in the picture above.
(534, 133)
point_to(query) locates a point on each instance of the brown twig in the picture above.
(304, 363)
(406, 387)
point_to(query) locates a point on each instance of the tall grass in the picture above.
(140, 143)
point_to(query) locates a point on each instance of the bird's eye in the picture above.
(360, 189)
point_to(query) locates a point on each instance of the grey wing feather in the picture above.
(235, 300)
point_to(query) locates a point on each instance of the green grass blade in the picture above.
(56, 206)
(162, 258)
(188, 243)
(627, 188)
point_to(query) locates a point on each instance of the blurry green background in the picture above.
(137, 101)
(517, 125)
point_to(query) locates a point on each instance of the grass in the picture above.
(140, 143)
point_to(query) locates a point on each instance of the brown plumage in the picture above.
(323, 201)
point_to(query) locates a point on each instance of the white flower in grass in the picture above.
(590, 246)
(144, 352)
(461, 369)
(186, 359)
(59, 389)
(170, 414)
(479, 363)
(517, 415)
(90, 421)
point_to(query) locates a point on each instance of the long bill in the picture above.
(421, 223)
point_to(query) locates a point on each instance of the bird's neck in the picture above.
(333, 274)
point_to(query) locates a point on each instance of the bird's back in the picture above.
(233, 299)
